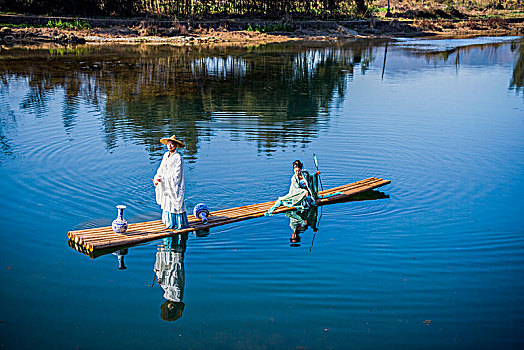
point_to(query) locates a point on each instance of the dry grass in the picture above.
(433, 9)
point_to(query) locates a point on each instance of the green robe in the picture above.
(302, 219)
(297, 195)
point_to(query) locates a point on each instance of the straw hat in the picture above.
(171, 311)
(172, 138)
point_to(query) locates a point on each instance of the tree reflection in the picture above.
(276, 95)
(491, 55)
(517, 80)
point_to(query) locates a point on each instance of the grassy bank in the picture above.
(402, 18)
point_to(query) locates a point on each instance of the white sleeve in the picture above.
(174, 179)
(161, 168)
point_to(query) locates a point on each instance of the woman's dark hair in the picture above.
(297, 164)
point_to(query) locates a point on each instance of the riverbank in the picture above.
(35, 30)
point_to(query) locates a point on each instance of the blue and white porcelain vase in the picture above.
(119, 224)
(201, 211)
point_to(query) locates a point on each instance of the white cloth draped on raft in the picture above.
(171, 189)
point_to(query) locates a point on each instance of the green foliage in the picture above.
(76, 24)
(65, 50)
(347, 8)
(450, 5)
(372, 9)
(276, 27)
(192, 9)
(21, 25)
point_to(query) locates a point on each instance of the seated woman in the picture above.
(303, 191)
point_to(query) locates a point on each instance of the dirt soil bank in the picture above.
(31, 30)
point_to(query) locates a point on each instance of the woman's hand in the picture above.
(157, 180)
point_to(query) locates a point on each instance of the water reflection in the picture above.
(169, 266)
(517, 79)
(120, 256)
(300, 221)
(169, 271)
(484, 51)
(279, 94)
(276, 96)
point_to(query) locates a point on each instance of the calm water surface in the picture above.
(436, 263)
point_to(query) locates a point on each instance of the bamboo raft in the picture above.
(104, 239)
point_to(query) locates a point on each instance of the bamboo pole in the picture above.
(130, 226)
(108, 241)
(109, 230)
(136, 240)
(122, 239)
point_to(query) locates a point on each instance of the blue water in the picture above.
(437, 264)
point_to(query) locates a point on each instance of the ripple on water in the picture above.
(441, 45)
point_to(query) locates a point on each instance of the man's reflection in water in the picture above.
(169, 270)
(299, 221)
(120, 255)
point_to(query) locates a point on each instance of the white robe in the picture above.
(170, 191)
(169, 269)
